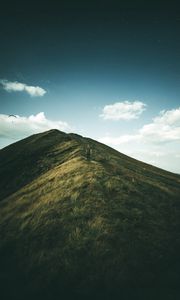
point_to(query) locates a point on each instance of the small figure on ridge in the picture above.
(88, 152)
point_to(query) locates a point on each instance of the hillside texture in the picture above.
(91, 225)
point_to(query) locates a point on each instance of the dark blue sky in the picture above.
(89, 54)
(46, 41)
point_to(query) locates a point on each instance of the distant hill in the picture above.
(79, 218)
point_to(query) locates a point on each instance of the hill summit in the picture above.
(77, 215)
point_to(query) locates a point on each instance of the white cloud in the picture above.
(17, 127)
(34, 91)
(123, 110)
(157, 143)
(115, 141)
(164, 128)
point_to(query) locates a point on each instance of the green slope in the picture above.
(92, 226)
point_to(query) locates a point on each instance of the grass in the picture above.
(95, 226)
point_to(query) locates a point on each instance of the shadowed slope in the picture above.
(89, 225)
(23, 161)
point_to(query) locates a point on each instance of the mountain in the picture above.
(79, 218)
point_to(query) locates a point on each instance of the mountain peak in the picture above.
(54, 131)
(76, 213)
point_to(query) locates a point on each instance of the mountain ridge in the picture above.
(59, 136)
(97, 222)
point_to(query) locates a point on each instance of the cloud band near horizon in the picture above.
(17, 127)
(164, 128)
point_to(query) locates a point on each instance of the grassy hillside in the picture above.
(94, 226)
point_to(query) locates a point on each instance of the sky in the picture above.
(109, 70)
